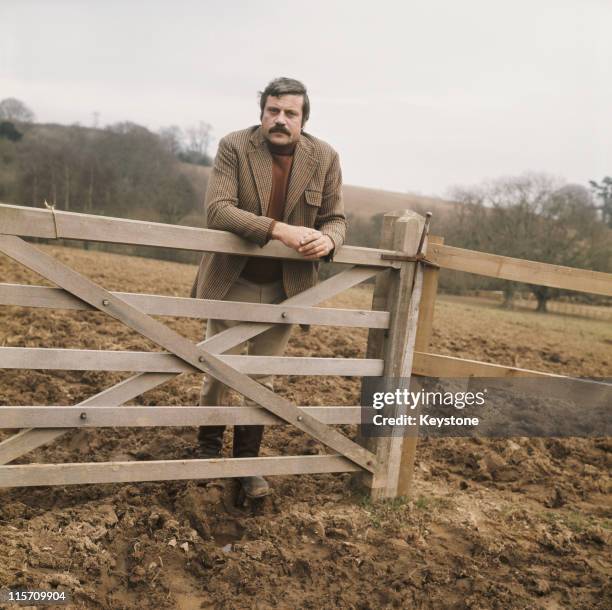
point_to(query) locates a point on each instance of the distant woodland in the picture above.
(126, 170)
(121, 170)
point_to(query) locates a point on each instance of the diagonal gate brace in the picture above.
(118, 394)
(197, 357)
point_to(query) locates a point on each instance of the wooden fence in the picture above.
(400, 324)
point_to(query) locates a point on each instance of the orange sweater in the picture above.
(264, 270)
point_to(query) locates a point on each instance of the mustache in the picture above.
(280, 129)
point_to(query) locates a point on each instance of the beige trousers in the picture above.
(272, 342)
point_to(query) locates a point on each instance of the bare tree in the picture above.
(603, 191)
(173, 138)
(199, 138)
(533, 217)
(12, 109)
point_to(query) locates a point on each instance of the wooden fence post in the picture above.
(393, 292)
(422, 341)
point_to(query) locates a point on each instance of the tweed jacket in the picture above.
(237, 199)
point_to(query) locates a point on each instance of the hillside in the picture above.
(364, 201)
(123, 170)
(126, 170)
(361, 201)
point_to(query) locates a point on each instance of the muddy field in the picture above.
(508, 524)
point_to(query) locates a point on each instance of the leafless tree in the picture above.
(12, 109)
(173, 139)
(603, 191)
(199, 138)
(534, 217)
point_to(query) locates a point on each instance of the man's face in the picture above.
(281, 121)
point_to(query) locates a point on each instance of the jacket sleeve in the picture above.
(331, 219)
(222, 206)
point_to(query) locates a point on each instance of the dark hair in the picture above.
(285, 86)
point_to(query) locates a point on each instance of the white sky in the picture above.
(415, 95)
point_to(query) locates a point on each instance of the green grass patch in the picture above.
(432, 503)
(575, 521)
(396, 511)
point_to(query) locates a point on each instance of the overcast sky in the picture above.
(415, 95)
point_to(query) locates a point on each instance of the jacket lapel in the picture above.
(302, 170)
(260, 161)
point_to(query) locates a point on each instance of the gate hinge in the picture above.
(400, 256)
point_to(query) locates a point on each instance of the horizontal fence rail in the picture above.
(425, 364)
(34, 222)
(42, 296)
(438, 365)
(577, 389)
(137, 417)
(170, 470)
(37, 358)
(519, 270)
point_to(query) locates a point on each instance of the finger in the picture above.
(309, 248)
(310, 237)
(310, 240)
(317, 253)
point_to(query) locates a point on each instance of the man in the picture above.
(270, 181)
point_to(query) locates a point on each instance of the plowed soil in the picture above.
(508, 524)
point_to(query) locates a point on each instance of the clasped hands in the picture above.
(310, 243)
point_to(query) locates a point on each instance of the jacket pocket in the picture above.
(314, 198)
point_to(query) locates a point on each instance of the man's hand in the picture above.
(316, 245)
(310, 243)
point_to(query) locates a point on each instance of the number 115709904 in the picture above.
(39, 596)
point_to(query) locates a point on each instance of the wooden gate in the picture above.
(400, 324)
(393, 323)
